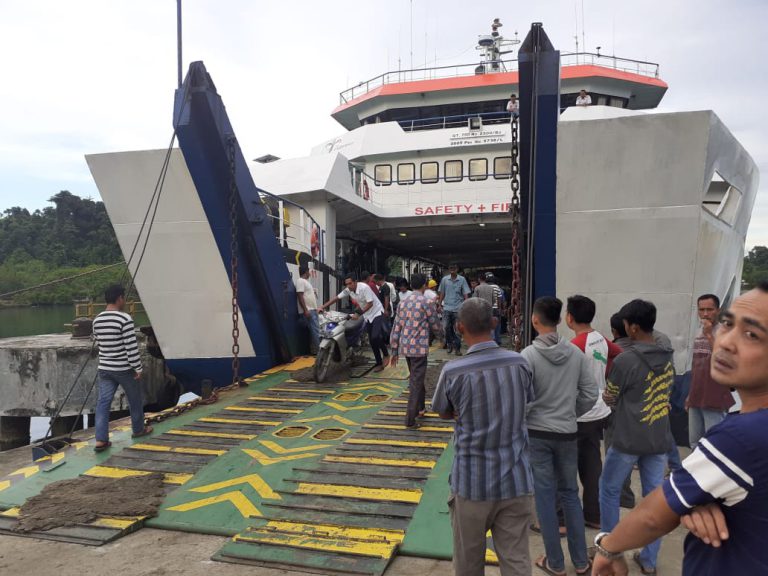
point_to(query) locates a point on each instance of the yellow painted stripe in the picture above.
(197, 434)
(4, 484)
(235, 498)
(392, 442)
(109, 472)
(369, 549)
(307, 390)
(118, 523)
(332, 531)
(11, 512)
(402, 413)
(240, 421)
(444, 429)
(381, 461)
(490, 557)
(53, 458)
(387, 494)
(398, 401)
(272, 410)
(336, 418)
(271, 399)
(179, 449)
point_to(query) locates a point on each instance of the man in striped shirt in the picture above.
(721, 491)
(119, 365)
(486, 391)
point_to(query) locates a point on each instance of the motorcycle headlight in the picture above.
(330, 326)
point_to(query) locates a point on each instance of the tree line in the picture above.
(71, 237)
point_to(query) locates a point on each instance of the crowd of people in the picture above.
(532, 427)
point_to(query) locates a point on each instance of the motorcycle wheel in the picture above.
(322, 363)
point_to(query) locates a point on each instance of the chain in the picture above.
(233, 260)
(517, 233)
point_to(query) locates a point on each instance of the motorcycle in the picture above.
(340, 341)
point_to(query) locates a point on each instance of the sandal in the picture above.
(643, 569)
(585, 571)
(147, 430)
(101, 447)
(543, 565)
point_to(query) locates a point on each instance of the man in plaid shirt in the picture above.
(410, 336)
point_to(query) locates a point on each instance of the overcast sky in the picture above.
(87, 76)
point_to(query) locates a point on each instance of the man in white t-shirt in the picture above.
(583, 99)
(307, 300)
(373, 312)
(580, 312)
(513, 107)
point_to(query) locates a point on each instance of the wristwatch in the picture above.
(602, 551)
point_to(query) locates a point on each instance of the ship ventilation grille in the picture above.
(722, 199)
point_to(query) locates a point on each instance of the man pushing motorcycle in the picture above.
(373, 312)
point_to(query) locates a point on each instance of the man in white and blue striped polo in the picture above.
(721, 491)
(486, 391)
(119, 365)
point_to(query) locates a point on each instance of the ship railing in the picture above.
(641, 67)
(294, 227)
(93, 309)
(456, 121)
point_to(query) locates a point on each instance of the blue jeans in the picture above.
(673, 456)
(313, 323)
(617, 467)
(108, 383)
(452, 336)
(700, 420)
(554, 464)
(496, 334)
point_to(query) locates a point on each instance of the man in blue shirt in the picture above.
(726, 476)
(491, 482)
(453, 290)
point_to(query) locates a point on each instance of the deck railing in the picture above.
(641, 67)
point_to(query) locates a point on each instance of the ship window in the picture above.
(430, 172)
(453, 170)
(602, 101)
(382, 174)
(617, 102)
(406, 173)
(478, 169)
(502, 167)
(722, 199)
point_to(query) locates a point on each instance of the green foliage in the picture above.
(66, 239)
(755, 267)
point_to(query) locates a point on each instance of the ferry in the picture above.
(641, 203)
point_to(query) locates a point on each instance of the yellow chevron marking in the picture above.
(335, 418)
(490, 557)
(235, 497)
(52, 458)
(272, 399)
(348, 408)
(26, 472)
(298, 364)
(11, 512)
(406, 401)
(79, 445)
(443, 429)
(277, 449)
(240, 421)
(392, 442)
(266, 460)
(272, 410)
(387, 494)
(179, 450)
(381, 461)
(197, 434)
(109, 472)
(253, 480)
(335, 531)
(4, 484)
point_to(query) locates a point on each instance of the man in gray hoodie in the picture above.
(564, 389)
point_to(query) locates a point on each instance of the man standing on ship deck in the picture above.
(373, 312)
(305, 294)
(119, 365)
(453, 291)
